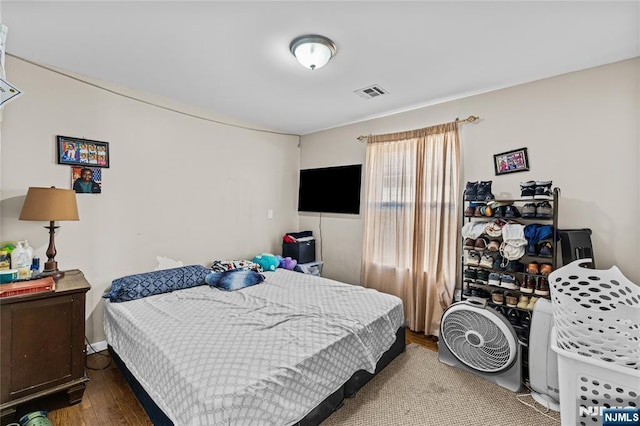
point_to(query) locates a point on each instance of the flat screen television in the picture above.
(330, 189)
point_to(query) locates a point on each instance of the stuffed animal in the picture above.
(267, 261)
(286, 262)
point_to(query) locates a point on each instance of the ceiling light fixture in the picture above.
(312, 51)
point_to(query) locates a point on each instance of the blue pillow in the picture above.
(235, 280)
(137, 286)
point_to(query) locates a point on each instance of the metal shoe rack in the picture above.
(521, 330)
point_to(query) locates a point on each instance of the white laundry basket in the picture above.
(597, 339)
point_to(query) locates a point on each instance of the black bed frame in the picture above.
(315, 417)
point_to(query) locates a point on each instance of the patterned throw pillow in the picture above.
(229, 265)
(234, 280)
(138, 286)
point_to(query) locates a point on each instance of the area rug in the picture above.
(417, 389)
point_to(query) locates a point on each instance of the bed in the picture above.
(283, 352)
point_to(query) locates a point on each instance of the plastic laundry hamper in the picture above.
(597, 339)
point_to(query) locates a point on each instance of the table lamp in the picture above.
(50, 204)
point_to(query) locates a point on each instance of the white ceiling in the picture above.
(233, 57)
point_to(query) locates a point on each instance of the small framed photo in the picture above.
(511, 161)
(86, 180)
(82, 152)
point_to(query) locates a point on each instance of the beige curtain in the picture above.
(411, 220)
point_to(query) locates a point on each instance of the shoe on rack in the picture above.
(486, 261)
(546, 268)
(528, 189)
(511, 300)
(470, 275)
(531, 250)
(478, 211)
(514, 266)
(466, 291)
(532, 302)
(471, 191)
(511, 212)
(544, 210)
(525, 318)
(498, 211)
(546, 249)
(514, 317)
(484, 191)
(528, 284)
(494, 246)
(508, 281)
(480, 293)
(542, 289)
(471, 258)
(523, 302)
(470, 210)
(480, 244)
(529, 210)
(469, 244)
(533, 268)
(499, 263)
(497, 297)
(482, 277)
(494, 279)
(543, 189)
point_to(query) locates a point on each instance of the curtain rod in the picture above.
(469, 119)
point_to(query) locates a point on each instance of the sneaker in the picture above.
(533, 268)
(498, 211)
(529, 210)
(494, 279)
(511, 212)
(493, 246)
(542, 289)
(471, 258)
(528, 189)
(471, 191)
(532, 302)
(546, 249)
(480, 244)
(484, 191)
(497, 297)
(542, 189)
(508, 281)
(513, 317)
(470, 275)
(531, 250)
(528, 284)
(480, 293)
(466, 291)
(469, 244)
(514, 266)
(544, 210)
(482, 277)
(546, 268)
(525, 317)
(469, 210)
(487, 211)
(523, 302)
(511, 300)
(499, 263)
(486, 261)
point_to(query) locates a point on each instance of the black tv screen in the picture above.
(330, 190)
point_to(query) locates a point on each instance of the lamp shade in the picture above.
(312, 51)
(50, 205)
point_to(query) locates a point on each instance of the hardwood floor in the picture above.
(108, 400)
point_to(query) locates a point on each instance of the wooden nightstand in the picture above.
(42, 344)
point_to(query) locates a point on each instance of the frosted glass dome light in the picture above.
(312, 51)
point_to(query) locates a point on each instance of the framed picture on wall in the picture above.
(82, 152)
(511, 161)
(86, 180)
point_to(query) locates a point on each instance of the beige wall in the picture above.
(178, 187)
(581, 131)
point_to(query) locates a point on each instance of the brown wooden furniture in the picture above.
(42, 344)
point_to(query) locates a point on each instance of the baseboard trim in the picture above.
(96, 347)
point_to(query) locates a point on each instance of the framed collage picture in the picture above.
(82, 152)
(511, 161)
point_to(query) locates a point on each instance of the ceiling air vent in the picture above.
(370, 92)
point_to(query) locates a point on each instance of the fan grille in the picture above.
(477, 341)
